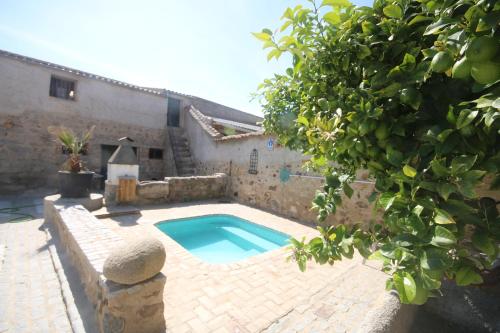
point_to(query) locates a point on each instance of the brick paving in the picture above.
(263, 293)
(30, 292)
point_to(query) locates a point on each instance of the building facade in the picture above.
(35, 95)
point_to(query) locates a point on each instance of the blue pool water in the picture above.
(222, 238)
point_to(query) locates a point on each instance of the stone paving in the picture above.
(263, 293)
(30, 291)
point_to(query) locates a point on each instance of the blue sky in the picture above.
(197, 47)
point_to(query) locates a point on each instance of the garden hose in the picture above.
(21, 217)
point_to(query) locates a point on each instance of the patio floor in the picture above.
(263, 293)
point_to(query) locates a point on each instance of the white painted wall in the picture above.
(115, 171)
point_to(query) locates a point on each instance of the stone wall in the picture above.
(265, 189)
(29, 155)
(175, 189)
(88, 242)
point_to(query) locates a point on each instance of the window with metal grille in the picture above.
(155, 154)
(254, 158)
(62, 88)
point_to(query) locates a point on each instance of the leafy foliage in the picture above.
(75, 145)
(401, 90)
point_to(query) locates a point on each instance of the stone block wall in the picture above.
(88, 242)
(175, 189)
(30, 157)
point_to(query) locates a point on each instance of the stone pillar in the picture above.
(132, 309)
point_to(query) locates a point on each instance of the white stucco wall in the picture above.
(115, 171)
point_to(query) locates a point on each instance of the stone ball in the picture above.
(137, 260)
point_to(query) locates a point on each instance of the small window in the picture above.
(155, 154)
(61, 88)
(254, 157)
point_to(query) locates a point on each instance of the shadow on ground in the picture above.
(84, 307)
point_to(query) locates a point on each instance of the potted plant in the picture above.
(74, 180)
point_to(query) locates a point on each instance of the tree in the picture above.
(408, 90)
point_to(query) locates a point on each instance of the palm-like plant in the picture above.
(75, 145)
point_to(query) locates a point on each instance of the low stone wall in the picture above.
(175, 189)
(119, 308)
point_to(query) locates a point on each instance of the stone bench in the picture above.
(89, 242)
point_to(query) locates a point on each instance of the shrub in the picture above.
(408, 90)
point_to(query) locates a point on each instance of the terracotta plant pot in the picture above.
(75, 184)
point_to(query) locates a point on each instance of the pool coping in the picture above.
(252, 260)
(230, 215)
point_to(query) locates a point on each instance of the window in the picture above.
(253, 162)
(61, 88)
(155, 154)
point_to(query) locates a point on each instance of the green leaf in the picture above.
(377, 255)
(467, 275)
(461, 164)
(442, 217)
(262, 36)
(435, 259)
(405, 286)
(275, 53)
(288, 14)
(394, 157)
(445, 189)
(443, 237)
(364, 51)
(429, 282)
(439, 169)
(482, 242)
(336, 3)
(285, 25)
(302, 120)
(465, 118)
(348, 190)
(474, 175)
(438, 26)
(386, 200)
(496, 103)
(332, 17)
(393, 11)
(444, 134)
(419, 18)
(409, 171)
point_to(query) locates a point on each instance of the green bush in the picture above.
(408, 90)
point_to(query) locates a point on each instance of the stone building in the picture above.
(36, 94)
(174, 135)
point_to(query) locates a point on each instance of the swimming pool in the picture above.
(222, 238)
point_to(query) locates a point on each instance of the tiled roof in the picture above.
(29, 60)
(149, 90)
(240, 136)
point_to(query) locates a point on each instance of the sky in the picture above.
(196, 47)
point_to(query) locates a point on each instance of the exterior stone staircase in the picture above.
(182, 154)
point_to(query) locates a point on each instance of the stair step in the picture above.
(182, 153)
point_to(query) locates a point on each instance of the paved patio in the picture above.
(263, 293)
(40, 292)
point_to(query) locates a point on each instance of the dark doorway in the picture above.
(173, 112)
